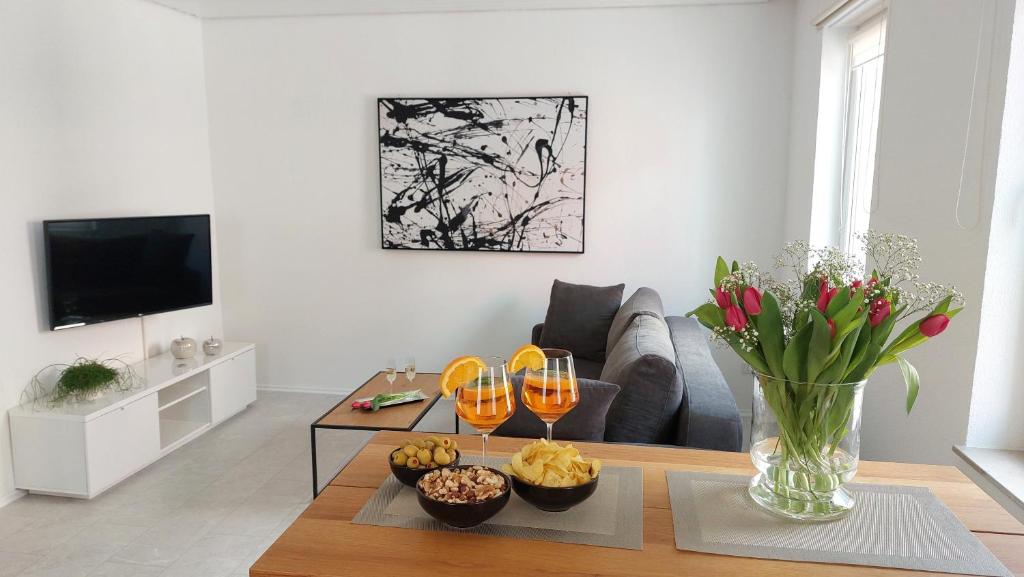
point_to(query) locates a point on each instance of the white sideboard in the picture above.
(83, 449)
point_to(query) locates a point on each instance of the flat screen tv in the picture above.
(106, 269)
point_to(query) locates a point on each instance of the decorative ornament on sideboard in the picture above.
(183, 348)
(812, 342)
(212, 346)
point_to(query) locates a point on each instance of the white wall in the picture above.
(997, 395)
(687, 159)
(103, 113)
(929, 63)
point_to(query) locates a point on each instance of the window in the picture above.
(860, 131)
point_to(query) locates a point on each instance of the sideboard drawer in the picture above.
(232, 386)
(121, 442)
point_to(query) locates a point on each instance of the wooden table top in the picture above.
(397, 418)
(323, 541)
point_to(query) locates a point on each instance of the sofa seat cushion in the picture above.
(579, 317)
(586, 422)
(643, 364)
(645, 301)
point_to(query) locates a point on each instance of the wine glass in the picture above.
(552, 392)
(391, 373)
(488, 400)
(410, 369)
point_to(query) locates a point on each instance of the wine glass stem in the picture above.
(550, 426)
(484, 457)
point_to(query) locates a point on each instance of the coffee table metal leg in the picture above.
(312, 450)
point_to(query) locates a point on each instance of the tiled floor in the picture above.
(209, 509)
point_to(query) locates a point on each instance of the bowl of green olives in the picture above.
(416, 458)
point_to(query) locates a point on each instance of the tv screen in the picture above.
(106, 269)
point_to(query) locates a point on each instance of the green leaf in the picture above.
(769, 329)
(800, 320)
(721, 271)
(866, 365)
(735, 266)
(794, 359)
(912, 379)
(860, 350)
(834, 372)
(709, 315)
(819, 347)
(752, 358)
(943, 305)
(910, 331)
(849, 311)
(838, 302)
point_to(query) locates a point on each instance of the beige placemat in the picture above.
(611, 517)
(892, 526)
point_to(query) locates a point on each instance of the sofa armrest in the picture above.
(535, 336)
(708, 417)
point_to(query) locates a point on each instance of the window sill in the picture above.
(1000, 472)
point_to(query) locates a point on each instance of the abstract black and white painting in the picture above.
(493, 174)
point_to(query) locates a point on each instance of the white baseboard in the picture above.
(303, 389)
(12, 497)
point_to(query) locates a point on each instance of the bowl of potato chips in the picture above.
(552, 477)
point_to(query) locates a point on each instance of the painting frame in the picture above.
(582, 193)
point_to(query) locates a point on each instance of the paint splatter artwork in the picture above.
(493, 174)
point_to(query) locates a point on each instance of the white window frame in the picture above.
(862, 107)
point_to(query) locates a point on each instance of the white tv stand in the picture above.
(83, 449)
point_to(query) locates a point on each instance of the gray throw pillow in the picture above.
(643, 363)
(645, 301)
(579, 317)
(586, 422)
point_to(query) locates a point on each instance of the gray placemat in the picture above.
(612, 517)
(892, 526)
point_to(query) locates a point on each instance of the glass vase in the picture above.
(805, 444)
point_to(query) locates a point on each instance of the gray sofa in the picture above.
(672, 392)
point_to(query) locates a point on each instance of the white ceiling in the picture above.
(261, 8)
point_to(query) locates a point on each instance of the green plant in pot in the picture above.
(813, 341)
(84, 380)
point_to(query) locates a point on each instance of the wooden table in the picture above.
(398, 418)
(323, 541)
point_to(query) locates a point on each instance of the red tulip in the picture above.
(825, 295)
(880, 310)
(832, 328)
(752, 300)
(934, 325)
(723, 298)
(735, 318)
(857, 284)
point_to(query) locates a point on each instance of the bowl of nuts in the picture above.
(463, 496)
(416, 458)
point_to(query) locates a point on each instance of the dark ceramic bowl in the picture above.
(409, 476)
(554, 499)
(464, 516)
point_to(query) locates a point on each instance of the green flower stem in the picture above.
(812, 420)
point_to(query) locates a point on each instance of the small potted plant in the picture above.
(84, 380)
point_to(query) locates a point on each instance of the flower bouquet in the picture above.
(813, 341)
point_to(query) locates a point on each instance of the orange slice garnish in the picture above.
(459, 372)
(528, 356)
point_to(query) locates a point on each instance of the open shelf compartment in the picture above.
(184, 411)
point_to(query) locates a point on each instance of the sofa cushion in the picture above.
(579, 317)
(645, 301)
(587, 369)
(586, 422)
(643, 364)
